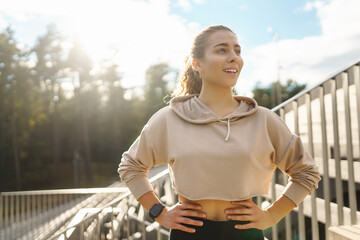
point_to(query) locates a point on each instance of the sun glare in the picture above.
(134, 34)
(95, 27)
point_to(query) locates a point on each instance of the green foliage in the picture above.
(49, 139)
(268, 96)
(155, 88)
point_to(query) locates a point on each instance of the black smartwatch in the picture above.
(155, 210)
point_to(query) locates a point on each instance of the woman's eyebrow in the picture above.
(226, 45)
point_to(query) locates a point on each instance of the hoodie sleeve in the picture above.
(136, 162)
(292, 159)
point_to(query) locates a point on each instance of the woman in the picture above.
(221, 150)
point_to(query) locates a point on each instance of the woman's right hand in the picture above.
(172, 217)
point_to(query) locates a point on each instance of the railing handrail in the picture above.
(310, 88)
(66, 191)
(118, 199)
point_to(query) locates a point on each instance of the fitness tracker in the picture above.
(155, 210)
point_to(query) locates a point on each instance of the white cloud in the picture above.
(311, 59)
(340, 17)
(313, 5)
(184, 4)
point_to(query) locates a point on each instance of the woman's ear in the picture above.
(196, 64)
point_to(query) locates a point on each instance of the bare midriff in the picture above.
(214, 209)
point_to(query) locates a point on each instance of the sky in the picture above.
(307, 41)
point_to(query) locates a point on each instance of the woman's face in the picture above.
(221, 64)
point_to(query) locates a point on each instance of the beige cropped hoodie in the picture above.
(230, 158)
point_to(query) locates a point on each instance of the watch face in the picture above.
(156, 210)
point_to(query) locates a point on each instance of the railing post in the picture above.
(44, 211)
(143, 229)
(314, 220)
(28, 216)
(301, 217)
(112, 224)
(349, 151)
(12, 208)
(274, 229)
(60, 204)
(33, 216)
(17, 215)
(50, 208)
(158, 232)
(38, 214)
(288, 216)
(338, 180)
(127, 218)
(326, 179)
(6, 234)
(285, 181)
(56, 206)
(23, 212)
(357, 90)
(97, 235)
(1, 217)
(82, 230)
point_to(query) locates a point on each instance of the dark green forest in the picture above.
(52, 137)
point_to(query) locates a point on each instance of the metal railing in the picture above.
(326, 117)
(127, 217)
(38, 214)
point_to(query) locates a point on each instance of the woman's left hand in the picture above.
(257, 217)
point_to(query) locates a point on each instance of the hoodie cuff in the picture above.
(139, 186)
(295, 192)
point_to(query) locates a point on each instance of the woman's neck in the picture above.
(221, 101)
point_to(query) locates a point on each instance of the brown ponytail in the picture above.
(189, 80)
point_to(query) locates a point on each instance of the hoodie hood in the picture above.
(192, 110)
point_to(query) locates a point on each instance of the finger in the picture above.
(191, 213)
(241, 217)
(240, 211)
(245, 226)
(243, 203)
(191, 221)
(190, 206)
(184, 228)
(234, 202)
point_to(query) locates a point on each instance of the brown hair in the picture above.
(189, 80)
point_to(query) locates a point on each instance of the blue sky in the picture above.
(316, 37)
(250, 19)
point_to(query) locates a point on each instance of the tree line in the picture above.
(54, 137)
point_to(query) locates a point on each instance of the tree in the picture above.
(50, 62)
(155, 88)
(14, 113)
(118, 110)
(266, 96)
(80, 63)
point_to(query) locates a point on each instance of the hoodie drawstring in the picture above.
(228, 129)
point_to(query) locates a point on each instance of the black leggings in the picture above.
(217, 230)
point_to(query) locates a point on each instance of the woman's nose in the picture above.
(233, 57)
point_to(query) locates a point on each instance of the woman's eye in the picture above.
(238, 52)
(221, 50)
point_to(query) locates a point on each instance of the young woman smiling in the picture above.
(221, 151)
